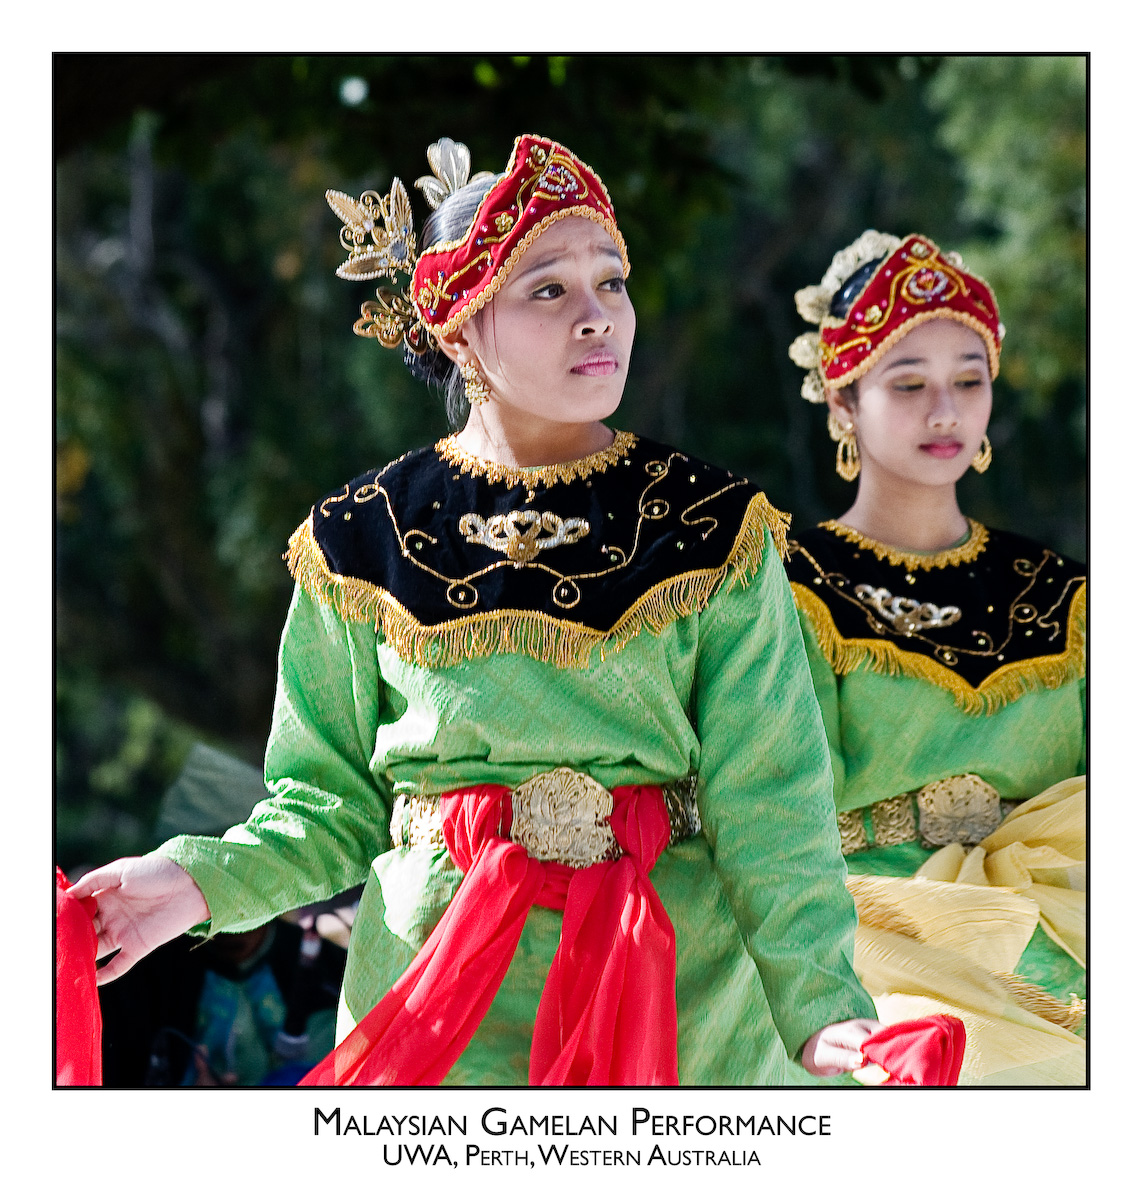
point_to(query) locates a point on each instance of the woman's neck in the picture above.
(908, 516)
(526, 440)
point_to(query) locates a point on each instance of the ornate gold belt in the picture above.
(962, 809)
(558, 816)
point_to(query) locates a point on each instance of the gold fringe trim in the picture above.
(912, 560)
(515, 631)
(549, 474)
(1035, 999)
(1005, 684)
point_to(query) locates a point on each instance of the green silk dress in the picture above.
(929, 667)
(636, 625)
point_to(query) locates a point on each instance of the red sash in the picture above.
(607, 1012)
(927, 1052)
(79, 1025)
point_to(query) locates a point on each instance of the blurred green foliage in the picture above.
(209, 388)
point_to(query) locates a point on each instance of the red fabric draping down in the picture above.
(79, 1025)
(607, 1012)
(926, 1052)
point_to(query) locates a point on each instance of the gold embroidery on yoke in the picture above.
(905, 615)
(522, 535)
(462, 592)
(1008, 682)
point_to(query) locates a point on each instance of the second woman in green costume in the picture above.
(949, 664)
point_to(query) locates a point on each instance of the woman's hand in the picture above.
(837, 1048)
(143, 902)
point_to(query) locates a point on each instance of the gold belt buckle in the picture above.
(561, 816)
(962, 809)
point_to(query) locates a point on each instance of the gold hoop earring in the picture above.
(982, 460)
(476, 389)
(848, 461)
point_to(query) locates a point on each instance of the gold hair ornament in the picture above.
(451, 163)
(378, 232)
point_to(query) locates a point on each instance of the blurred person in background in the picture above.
(251, 1008)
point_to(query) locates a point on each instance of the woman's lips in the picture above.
(597, 364)
(943, 449)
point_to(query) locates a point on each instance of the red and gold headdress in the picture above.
(450, 281)
(875, 292)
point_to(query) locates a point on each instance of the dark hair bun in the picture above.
(850, 289)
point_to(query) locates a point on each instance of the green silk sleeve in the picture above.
(825, 688)
(328, 815)
(766, 804)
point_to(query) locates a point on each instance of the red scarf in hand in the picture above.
(607, 1012)
(926, 1052)
(79, 1026)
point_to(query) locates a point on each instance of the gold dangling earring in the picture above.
(982, 460)
(848, 462)
(476, 389)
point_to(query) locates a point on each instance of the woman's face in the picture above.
(555, 341)
(922, 410)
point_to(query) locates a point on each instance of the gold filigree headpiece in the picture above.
(379, 235)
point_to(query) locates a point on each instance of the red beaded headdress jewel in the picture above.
(450, 281)
(913, 282)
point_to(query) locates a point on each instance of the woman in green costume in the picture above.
(949, 663)
(567, 621)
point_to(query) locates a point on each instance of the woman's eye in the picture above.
(908, 385)
(550, 291)
(970, 381)
(616, 285)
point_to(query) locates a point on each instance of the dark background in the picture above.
(208, 387)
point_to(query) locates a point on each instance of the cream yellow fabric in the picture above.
(1040, 852)
(948, 939)
(989, 926)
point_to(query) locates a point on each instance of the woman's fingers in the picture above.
(98, 879)
(119, 965)
(837, 1048)
(852, 1034)
(140, 903)
(838, 1057)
